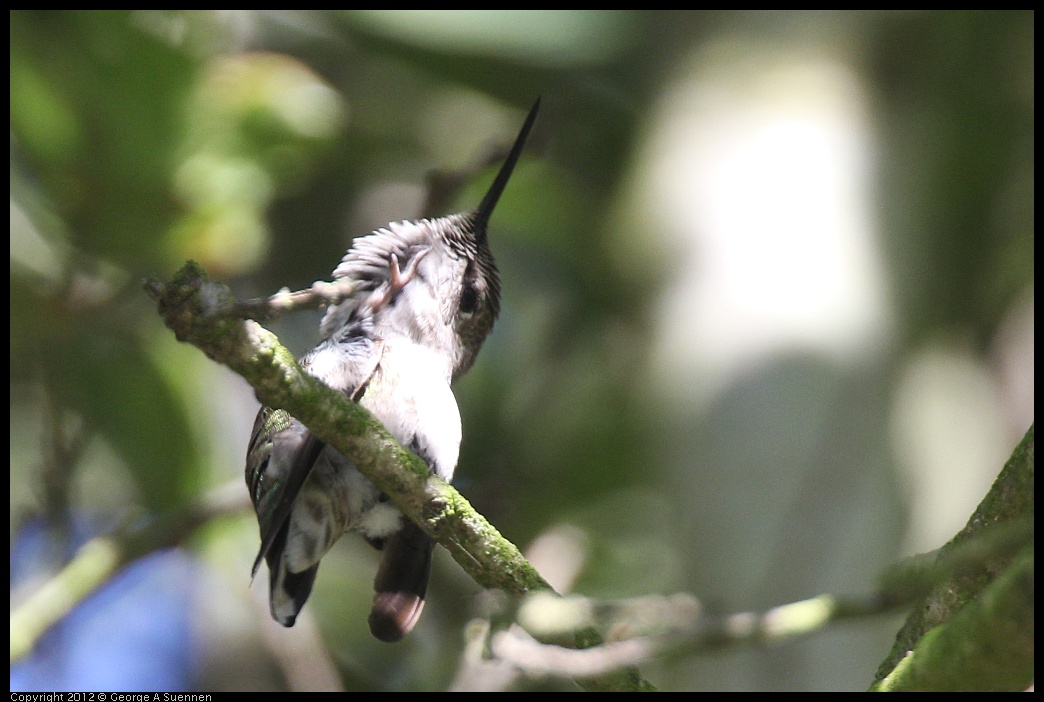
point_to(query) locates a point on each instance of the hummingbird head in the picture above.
(433, 280)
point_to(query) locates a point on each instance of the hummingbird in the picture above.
(426, 295)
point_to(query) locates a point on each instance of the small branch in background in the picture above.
(537, 660)
(444, 185)
(98, 560)
(511, 641)
(62, 449)
(654, 626)
(478, 671)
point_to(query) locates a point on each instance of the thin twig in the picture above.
(321, 294)
(98, 560)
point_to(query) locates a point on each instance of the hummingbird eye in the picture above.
(468, 299)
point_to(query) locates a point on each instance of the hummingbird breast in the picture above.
(410, 393)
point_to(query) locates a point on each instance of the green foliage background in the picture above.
(259, 143)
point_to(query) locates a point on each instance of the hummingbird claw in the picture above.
(397, 280)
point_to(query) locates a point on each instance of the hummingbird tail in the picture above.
(401, 583)
(287, 591)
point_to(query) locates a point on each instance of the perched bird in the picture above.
(427, 293)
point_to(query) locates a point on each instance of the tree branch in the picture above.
(984, 591)
(986, 646)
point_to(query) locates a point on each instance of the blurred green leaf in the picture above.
(549, 37)
(116, 386)
(99, 118)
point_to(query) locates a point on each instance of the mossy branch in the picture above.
(975, 629)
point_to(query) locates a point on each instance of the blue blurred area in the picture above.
(133, 634)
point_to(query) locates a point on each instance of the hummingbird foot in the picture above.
(398, 279)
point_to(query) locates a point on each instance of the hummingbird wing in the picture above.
(283, 452)
(281, 456)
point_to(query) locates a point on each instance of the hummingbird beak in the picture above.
(485, 208)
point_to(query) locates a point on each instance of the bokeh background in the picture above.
(767, 322)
